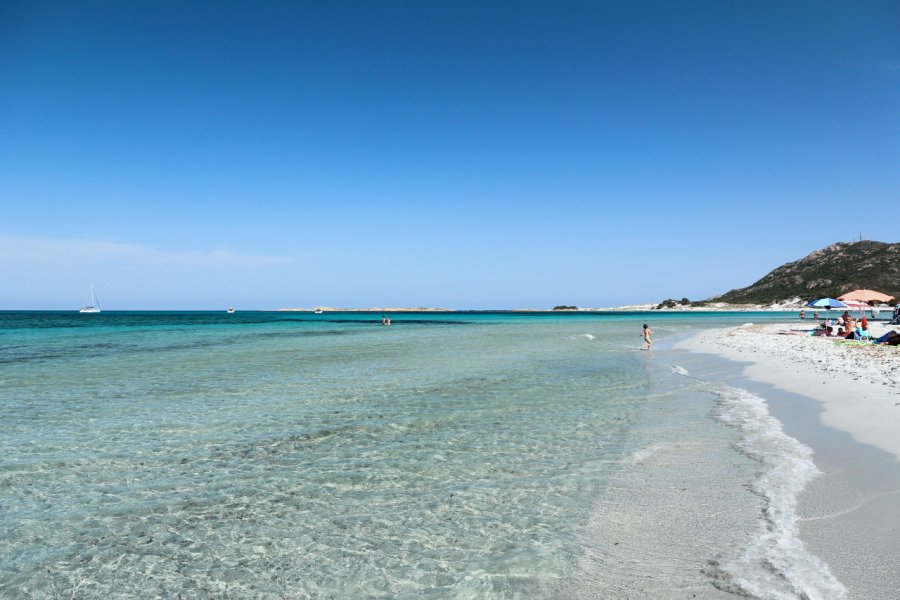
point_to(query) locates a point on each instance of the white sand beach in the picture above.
(858, 385)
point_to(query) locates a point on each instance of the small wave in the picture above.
(678, 370)
(583, 336)
(777, 564)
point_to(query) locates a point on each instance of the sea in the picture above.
(448, 455)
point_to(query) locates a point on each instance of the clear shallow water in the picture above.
(294, 455)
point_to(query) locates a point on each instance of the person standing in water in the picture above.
(646, 334)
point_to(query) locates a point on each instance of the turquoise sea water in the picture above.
(464, 455)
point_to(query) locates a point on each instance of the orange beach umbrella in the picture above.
(866, 296)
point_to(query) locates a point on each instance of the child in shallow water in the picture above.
(647, 333)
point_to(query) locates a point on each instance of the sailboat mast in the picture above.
(94, 306)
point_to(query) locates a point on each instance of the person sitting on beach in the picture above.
(891, 338)
(841, 332)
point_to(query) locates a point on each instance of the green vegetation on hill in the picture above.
(827, 273)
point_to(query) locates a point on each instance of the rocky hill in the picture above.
(828, 272)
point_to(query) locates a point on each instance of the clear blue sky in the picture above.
(183, 154)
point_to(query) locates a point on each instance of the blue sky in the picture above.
(453, 154)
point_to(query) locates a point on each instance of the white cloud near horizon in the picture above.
(32, 250)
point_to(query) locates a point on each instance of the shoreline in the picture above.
(858, 386)
(845, 406)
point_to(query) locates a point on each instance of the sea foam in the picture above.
(776, 565)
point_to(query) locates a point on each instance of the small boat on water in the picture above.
(94, 306)
(318, 311)
(230, 310)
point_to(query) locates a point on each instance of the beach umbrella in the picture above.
(827, 303)
(866, 296)
(854, 304)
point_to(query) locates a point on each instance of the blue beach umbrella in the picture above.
(828, 303)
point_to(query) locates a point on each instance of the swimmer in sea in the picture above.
(646, 334)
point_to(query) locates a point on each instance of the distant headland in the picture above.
(372, 309)
(827, 272)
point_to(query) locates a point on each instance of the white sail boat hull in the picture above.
(94, 306)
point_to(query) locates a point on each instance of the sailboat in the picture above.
(94, 306)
